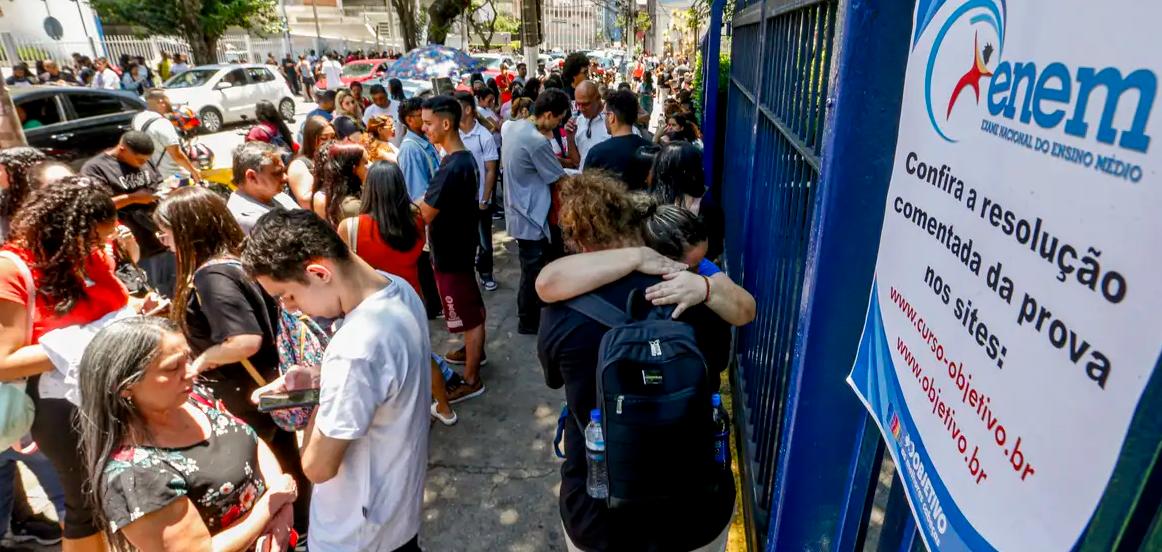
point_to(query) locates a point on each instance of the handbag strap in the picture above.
(29, 285)
(249, 366)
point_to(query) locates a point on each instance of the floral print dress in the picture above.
(220, 475)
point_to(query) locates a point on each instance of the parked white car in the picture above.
(222, 94)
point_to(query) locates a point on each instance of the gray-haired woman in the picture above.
(171, 468)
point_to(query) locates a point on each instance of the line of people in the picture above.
(379, 219)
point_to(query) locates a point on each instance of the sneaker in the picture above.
(446, 420)
(459, 357)
(44, 534)
(459, 390)
(488, 283)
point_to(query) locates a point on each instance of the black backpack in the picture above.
(653, 389)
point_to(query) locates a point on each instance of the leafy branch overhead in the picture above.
(200, 22)
(486, 21)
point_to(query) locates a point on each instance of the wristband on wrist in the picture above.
(707, 299)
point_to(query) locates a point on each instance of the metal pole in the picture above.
(286, 27)
(11, 134)
(318, 35)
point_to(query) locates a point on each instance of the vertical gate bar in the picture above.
(865, 471)
(711, 100)
(816, 444)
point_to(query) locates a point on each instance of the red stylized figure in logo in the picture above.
(972, 78)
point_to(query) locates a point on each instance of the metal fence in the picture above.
(246, 48)
(775, 114)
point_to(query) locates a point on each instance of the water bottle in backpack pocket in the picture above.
(654, 392)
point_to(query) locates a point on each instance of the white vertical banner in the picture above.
(1016, 316)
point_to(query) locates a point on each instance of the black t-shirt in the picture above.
(568, 342)
(288, 67)
(618, 155)
(453, 233)
(226, 304)
(122, 178)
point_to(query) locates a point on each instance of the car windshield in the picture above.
(191, 78)
(491, 63)
(357, 69)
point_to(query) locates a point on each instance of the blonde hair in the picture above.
(343, 94)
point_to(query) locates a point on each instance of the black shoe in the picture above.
(44, 534)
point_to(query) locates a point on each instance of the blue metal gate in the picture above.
(812, 109)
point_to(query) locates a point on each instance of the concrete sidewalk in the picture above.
(493, 478)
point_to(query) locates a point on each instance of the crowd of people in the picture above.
(151, 321)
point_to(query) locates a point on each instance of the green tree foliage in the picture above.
(442, 15)
(486, 21)
(200, 22)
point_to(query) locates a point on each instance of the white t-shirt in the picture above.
(479, 141)
(107, 80)
(332, 70)
(247, 210)
(392, 110)
(164, 135)
(375, 391)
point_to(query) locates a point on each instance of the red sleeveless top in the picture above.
(381, 256)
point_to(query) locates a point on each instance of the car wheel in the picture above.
(211, 120)
(286, 108)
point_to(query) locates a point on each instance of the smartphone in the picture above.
(290, 399)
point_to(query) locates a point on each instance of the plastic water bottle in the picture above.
(721, 430)
(598, 482)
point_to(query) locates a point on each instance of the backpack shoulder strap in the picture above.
(599, 310)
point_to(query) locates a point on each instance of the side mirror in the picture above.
(223, 85)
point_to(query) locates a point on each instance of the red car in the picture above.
(360, 70)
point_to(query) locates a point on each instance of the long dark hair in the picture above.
(311, 131)
(115, 359)
(677, 171)
(58, 225)
(201, 228)
(532, 88)
(385, 198)
(395, 88)
(19, 163)
(265, 112)
(335, 164)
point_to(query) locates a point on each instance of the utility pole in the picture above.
(11, 133)
(530, 32)
(285, 27)
(318, 34)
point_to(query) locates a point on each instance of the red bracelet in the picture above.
(707, 299)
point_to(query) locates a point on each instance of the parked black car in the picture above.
(76, 123)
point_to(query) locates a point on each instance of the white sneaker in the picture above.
(446, 420)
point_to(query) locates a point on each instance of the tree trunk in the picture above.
(406, 11)
(442, 14)
(203, 49)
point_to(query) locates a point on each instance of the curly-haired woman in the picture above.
(598, 214)
(23, 169)
(54, 272)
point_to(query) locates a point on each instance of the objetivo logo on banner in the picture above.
(966, 67)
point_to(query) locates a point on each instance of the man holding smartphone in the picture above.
(132, 178)
(366, 446)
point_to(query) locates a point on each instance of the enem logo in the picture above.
(1033, 92)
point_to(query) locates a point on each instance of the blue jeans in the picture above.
(41, 467)
(444, 369)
